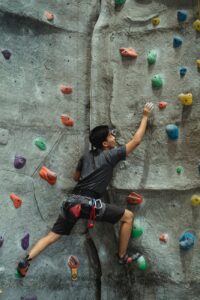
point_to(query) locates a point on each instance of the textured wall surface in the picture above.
(80, 48)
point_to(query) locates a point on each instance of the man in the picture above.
(93, 174)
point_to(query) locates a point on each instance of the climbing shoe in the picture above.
(22, 267)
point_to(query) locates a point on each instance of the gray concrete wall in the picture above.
(80, 48)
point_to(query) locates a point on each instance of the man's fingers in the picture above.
(149, 105)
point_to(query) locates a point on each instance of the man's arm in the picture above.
(137, 138)
(77, 175)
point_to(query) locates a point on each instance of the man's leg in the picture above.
(125, 231)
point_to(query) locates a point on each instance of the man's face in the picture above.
(111, 140)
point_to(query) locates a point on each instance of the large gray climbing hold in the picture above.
(4, 136)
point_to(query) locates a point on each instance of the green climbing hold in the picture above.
(120, 2)
(137, 232)
(40, 143)
(151, 57)
(179, 170)
(157, 81)
(18, 275)
(141, 263)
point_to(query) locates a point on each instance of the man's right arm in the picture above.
(137, 138)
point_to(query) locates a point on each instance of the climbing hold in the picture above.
(48, 175)
(73, 263)
(187, 240)
(177, 41)
(40, 143)
(195, 200)
(66, 120)
(119, 2)
(162, 104)
(128, 52)
(49, 15)
(164, 237)
(1, 241)
(136, 231)
(183, 71)
(199, 167)
(141, 263)
(151, 57)
(25, 241)
(6, 53)
(134, 198)
(179, 170)
(155, 21)
(182, 15)
(172, 131)
(66, 89)
(29, 298)
(157, 81)
(17, 201)
(19, 161)
(186, 99)
(197, 25)
(198, 63)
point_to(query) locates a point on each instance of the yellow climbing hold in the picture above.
(186, 99)
(155, 21)
(198, 63)
(197, 25)
(195, 200)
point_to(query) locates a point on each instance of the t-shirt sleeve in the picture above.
(115, 155)
(80, 164)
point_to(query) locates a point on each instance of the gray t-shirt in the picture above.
(96, 169)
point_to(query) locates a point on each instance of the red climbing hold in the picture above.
(48, 175)
(162, 104)
(134, 198)
(66, 120)
(16, 200)
(128, 52)
(66, 89)
(49, 16)
(164, 237)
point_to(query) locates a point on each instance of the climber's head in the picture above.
(101, 137)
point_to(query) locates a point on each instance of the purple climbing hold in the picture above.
(6, 53)
(1, 241)
(25, 241)
(19, 161)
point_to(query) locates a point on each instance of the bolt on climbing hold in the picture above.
(141, 263)
(25, 241)
(136, 231)
(195, 200)
(196, 25)
(157, 81)
(17, 201)
(182, 15)
(66, 89)
(1, 240)
(128, 52)
(49, 16)
(66, 120)
(6, 53)
(187, 240)
(186, 99)
(162, 104)
(164, 237)
(172, 131)
(177, 41)
(19, 161)
(183, 71)
(179, 170)
(155, 21)
(40, 143)
(48, 175)
(134, 198)
(73, 263)
(151, 57)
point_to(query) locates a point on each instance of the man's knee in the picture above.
(128, 216)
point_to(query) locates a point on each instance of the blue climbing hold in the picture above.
(187, 240)
(177, 41)
(183, 71)
(6, 53)
(172, 131)
(25, 241)
(182, 15)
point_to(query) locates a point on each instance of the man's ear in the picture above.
(105, 144)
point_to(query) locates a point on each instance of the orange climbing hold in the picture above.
(134, 198)
(128, 52)
(164, 237)
(49, 16)
(162, 104)
(16, 200)
(48, 175)
(66, 89)
(66, 120)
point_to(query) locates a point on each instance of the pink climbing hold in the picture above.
(49, 16)
(162, 104)
(17, 201)
(66, 120)
(66, 89)
(134, 198)
(128, 52)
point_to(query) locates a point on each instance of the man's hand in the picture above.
(147, 109)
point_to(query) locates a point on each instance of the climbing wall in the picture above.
(65, 68)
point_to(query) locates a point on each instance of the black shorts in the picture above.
(112, 214)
